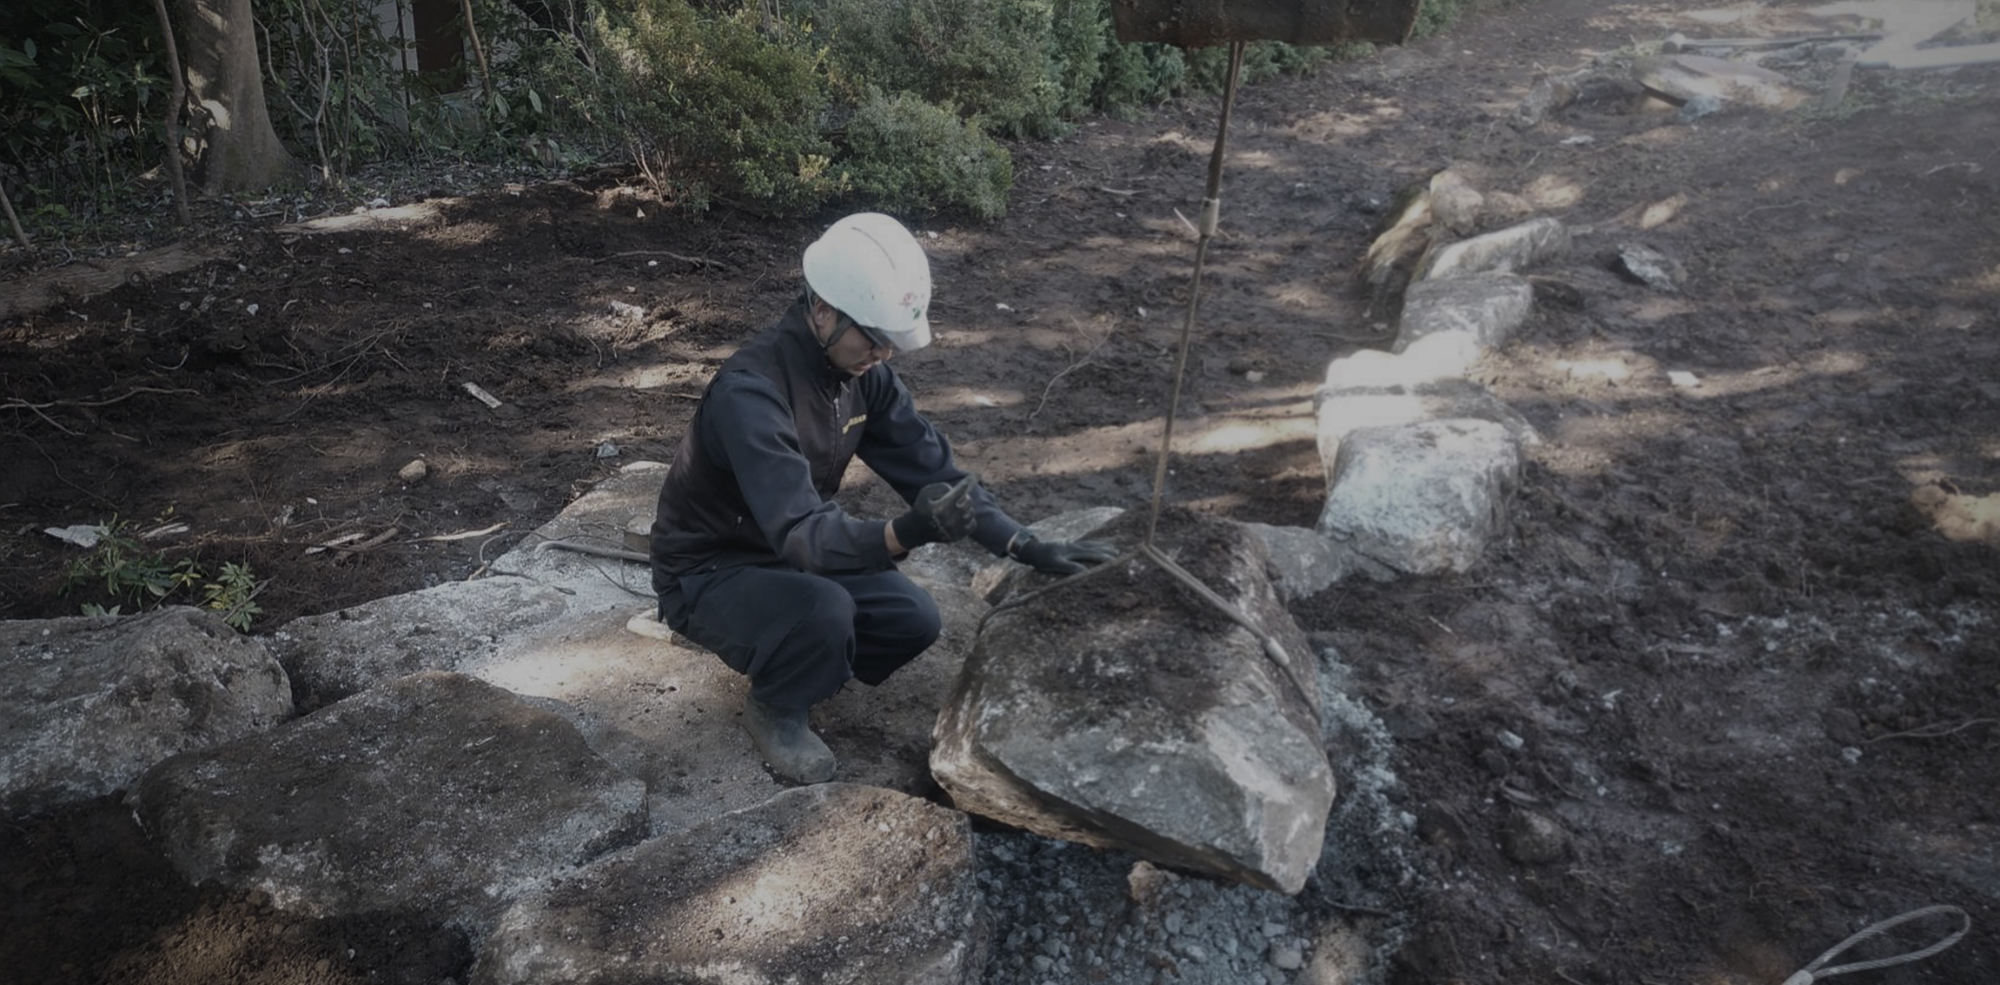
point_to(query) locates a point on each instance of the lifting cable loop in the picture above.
(1811, 973)
(1211, 211)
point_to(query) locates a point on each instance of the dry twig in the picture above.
(1938, 731)
(697, 261)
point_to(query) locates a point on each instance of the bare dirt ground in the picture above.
(1728, 693)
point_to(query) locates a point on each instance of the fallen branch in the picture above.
(345, 543)
(12, 219)
(467, 534)
(135, 391)
(1683, 43)
(19, 404)
(1957, 56)
(697, 261)
(1066, 370)
(1937, 731)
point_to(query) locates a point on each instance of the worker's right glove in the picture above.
(1059, 557)
(941, 513)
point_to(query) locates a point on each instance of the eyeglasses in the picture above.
(875, 339)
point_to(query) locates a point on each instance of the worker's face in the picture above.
(856, 348)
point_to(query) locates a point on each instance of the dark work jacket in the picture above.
(754, 479)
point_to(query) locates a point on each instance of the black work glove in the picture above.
(1059, 557)
(942, 513)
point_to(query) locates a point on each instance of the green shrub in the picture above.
(1136, 75)
(907, 155)
(713, 108)
(994, 59)
(121, 570)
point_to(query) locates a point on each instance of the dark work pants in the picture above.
(800, 636)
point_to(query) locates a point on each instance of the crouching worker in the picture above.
(751, 557)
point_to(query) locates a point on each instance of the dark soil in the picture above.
(1735, 666)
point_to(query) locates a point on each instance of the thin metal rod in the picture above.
(1211, 207)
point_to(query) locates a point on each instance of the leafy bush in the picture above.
(994, 59)
(711, 107)
(1135, 75)
(123, 571)
(907, 155)
(81, 88)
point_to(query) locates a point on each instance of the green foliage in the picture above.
(710, 107)
(707, 98)
(1136, 75)
(234, 594)
(121, 568)
(995, 59)
(81, 88)
(908, 156)
(1434, 15)
(1208, 68)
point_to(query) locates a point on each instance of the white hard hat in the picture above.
(871, 268)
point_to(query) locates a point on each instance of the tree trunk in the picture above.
(234, 147)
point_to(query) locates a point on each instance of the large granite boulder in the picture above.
(1483, 309)
(1125, 711)
(437, 794)
(834, 883)
(91, 703)
(1421, 498)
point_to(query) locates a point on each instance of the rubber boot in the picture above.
(787, 743)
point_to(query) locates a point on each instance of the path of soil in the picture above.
(1729, 670)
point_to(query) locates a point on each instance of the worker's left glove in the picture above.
(1059, 557)
(940, 513)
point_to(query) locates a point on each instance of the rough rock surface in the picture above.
(437, 793)
(1123, 711)
(1502, 251)
(91, 703)
(1342, 412)
(1486, 307)
(835, 883)
(342, 653)
(1422, 498)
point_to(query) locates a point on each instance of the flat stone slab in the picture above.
(1349, 409)
(1485, 308)
(437, 794)
(835, 883)
(91, 703)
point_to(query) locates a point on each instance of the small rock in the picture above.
(1700, 106)
(1534, 839)
(414, 472)
(1286, 956)
(607, 450)
(1683, 379)
(629, 312)
(1649, 267)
